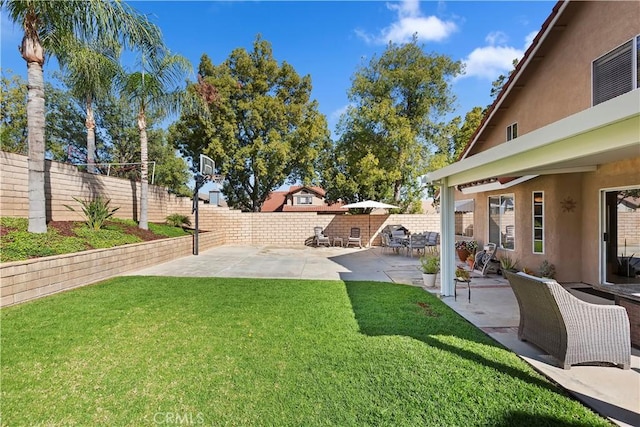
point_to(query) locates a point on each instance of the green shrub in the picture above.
(508, 264)
(95, 211)
(105, 238)
(178, 220)
(19, 244)
(547, 269)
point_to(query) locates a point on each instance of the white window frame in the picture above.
(635, 64)
(533, 222)
(512, 131)
(302, 199)
(500, 242)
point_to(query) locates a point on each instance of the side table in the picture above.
(337, 240)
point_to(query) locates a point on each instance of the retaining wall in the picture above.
(35, 278)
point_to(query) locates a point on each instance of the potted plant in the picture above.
(471, 260)
(466, 247)
(463, 274)
(430, 266)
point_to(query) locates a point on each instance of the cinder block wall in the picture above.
(295, 229)
(27, 280)
(63, 182)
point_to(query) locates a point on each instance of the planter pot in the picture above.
(429, 280)
(463, 254)
(470, 263)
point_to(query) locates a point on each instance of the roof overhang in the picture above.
(495, 185)
(605, 133)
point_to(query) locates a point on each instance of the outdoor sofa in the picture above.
(567, 328)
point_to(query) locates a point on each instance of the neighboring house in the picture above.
(557, 150)
(301, 199)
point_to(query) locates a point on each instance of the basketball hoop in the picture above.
(216, 178)
(207, 165)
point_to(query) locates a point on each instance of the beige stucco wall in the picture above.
(562, 229)
(572, 238)
(608, 176)
(557, 82)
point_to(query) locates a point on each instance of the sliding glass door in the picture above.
(621, 236)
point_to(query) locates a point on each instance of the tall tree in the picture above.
(155, 89)
(262, 127)
(89, 71)
(65, 135)
(13, 113)
(47, 26)
(498, 83)
(397, 100)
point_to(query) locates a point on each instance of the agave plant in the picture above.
(95, 211)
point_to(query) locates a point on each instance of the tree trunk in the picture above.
(144, 172)
(90, 123)
(35, 138)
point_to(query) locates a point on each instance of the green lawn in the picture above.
(159, 350)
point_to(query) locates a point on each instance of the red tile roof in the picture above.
(274, 201)
(277, 199)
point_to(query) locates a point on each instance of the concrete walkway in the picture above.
(610, 391)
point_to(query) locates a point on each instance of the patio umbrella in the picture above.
(369, 204)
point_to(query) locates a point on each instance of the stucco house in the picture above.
(558, 151)
(301, 198)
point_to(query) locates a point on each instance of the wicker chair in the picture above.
(567, 328)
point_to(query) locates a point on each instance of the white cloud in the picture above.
(529, 39)
(410, 21)
(336, 114)
(496, 37)
(489, 62)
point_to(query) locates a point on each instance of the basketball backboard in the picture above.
(207, 165)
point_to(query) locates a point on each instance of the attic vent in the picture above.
(614, 73)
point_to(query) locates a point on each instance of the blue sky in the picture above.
(330, 39)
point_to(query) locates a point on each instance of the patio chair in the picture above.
(320, 237)
(417, 242)
(387, 243)
(354, 237)
(399, 236)
(485, 261)
(433, 240)
(567, 328)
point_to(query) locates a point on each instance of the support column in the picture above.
(447, 239)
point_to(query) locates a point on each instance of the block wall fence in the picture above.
(64, 181)
(26, 280)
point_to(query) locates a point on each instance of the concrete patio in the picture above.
(610, 391)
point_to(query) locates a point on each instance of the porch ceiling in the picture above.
(602, 134)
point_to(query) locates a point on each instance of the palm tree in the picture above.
(90, 71)
(47, 26)
(156, 88)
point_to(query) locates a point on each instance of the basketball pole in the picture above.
(200, 181)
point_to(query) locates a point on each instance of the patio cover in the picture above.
(570, 145)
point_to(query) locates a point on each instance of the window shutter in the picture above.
(613, 74)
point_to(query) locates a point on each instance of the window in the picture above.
(304, 200)
(502, 221)
(616, 72)
(512, 131)
(538, 222)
